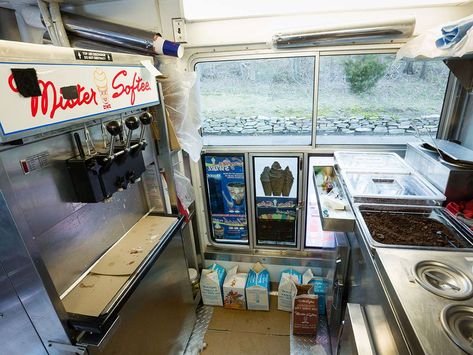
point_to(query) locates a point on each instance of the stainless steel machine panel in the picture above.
(18, 334)
(367, 289)
(65, 230)
(455, 183)
(160, 312)
(418, 309)
(355, 338)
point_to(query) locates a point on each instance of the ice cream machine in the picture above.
(79, 168)
(47, 96)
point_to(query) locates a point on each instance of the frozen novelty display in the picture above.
(227, 196)
(276, 200)
(275, 181)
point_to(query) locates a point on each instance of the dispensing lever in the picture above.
(113, 128)
(79, 145)
(131, 123)
(146, 118)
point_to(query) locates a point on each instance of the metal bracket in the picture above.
(462, 69)
(75, 349)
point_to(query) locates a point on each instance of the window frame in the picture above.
(260, 51)
(249, 53)
(285, 54)
(442, 115)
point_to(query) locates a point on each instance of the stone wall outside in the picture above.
(354, 125)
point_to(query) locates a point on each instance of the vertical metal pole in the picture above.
(315, 101)
(164, 150)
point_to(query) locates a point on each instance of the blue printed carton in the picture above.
(257, 288)
(287, 289)
(319, 284)
(211, 282)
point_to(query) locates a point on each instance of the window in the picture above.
(374, 99)
(257, 102)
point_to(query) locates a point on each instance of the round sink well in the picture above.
(457, 321)
(443, 280)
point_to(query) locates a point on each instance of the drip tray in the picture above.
(443, 280)
(457, 321)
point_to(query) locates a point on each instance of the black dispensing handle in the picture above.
(114, 128)
(132, 123)
(79, 145)
(146, 118)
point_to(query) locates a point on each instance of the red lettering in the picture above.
(51, 99)
(137, 85)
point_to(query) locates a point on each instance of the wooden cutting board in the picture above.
(129, 252)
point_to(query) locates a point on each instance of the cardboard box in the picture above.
(257, 288)
(287, 289)
(234, 289)
(211, 283)
(319, 284)
(174, 144)
(305, 311)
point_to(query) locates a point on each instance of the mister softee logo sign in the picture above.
(99, 90)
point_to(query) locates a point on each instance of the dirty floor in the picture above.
(248, 332)
(228, 332)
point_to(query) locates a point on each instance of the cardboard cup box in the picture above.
(305, 315)
(234, 289)
(257, 288)
(211, 282)
(287, 289)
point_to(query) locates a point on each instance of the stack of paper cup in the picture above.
(163, 46)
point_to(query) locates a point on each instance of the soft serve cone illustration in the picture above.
(101, 82)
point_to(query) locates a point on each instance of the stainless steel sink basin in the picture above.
(457, 321)
(443, 280)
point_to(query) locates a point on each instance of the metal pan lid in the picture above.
(443, 280)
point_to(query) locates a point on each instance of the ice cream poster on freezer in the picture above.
(225, 176)
(276, 199)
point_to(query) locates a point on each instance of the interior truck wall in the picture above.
(466, 133)
(258, 30)
(142, 14)
(8, 27)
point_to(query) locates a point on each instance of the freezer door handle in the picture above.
(355, 333)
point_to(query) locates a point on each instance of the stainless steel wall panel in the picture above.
(36, 294)
(46, 194)
(133, 205)
(18, 334)
(73, 244)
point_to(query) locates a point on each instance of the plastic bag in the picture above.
(423, 46)
(182, 99)
(184, 190)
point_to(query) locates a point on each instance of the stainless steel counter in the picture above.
(399, 316)
(418, 309)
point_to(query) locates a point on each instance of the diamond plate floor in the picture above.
(299, 345)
